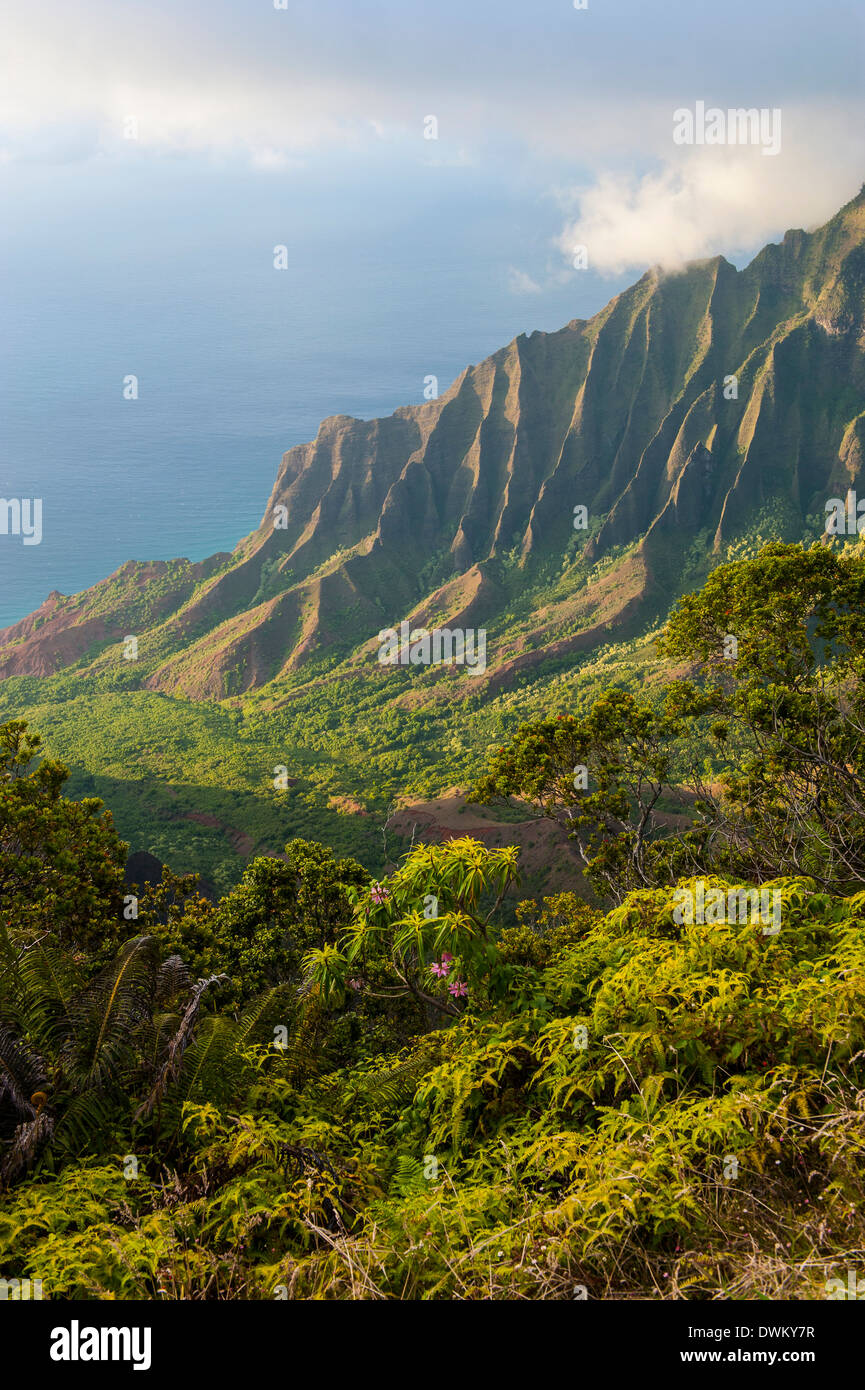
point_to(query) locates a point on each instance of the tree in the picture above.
(778, 643)
(427, 923)
(601, 777)
(775, 697)
(61, 861)
(259, 932)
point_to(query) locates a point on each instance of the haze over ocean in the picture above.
(153, 255)
(236, 361)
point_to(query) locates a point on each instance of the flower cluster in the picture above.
(442, 967)
(458, 989)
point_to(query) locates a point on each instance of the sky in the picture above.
(153, 155)
(576, 103)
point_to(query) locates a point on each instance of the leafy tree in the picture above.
(61, 861)
(545, 930)
(428, 923)
(779, 648)
(601, 776)
(259, 932)
(776, 651)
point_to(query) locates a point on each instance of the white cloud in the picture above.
(188, 85)
(230, 78)
(716, 199)
(459, 159)
(276, 160)
(521, 283)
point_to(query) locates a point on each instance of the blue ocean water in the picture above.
(167, 274)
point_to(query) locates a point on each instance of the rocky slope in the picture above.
(460, 511)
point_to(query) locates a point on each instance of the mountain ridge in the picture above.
(460, 510)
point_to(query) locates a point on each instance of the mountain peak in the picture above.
(463, 509)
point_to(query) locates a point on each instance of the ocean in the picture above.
(166, 274)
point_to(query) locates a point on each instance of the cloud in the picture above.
(543, 95)
(276, 160)
(521, 283)
(458, 159)
(708, 200)
(526, 82)
(187, 80)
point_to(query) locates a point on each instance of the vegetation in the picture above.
(332, 1085)
(777, 701)
(264, 657)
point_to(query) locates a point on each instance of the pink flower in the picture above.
(446, 957)
(459, 990)
(440, 970)
(379, 894)
(355, 984)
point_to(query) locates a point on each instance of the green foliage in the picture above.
(61, 863)
(327, 1086)
(259, 932)
(603, 774)
(708, 1116)
(426, 926)
(544, 930)
(790, 701)
(776, 645)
